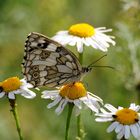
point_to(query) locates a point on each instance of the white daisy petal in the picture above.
(104, 114)
(100, 45)
(121, 133)
(25, 84)
(11, 95)
(127, 131)
(89, 104)
(134, 130)
(112, 127)
(58, 38)
(110, 107)
(80, 46)
(120, 108)
(61, 106)
(77, 111)
(66, 40)
(135, 107)
(85, 42)
(101, 40)
(62, 32)
(138, 128)
(92, 43)
(2, 94)
(73, 41)
(106, 38)
(139, 122)
(78, 103)
(50, 94)
(104, 119)
(132, 106)
(100, 28)
(18, 91)
(94, 97)
(52, 97)
(103, 111)
(28, 94)
(118, 128)
(55, 102)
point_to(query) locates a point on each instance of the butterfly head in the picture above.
(86, 69)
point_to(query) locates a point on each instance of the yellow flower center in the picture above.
(82, 30)
(126, 116)
(73, 91)
(11, 84)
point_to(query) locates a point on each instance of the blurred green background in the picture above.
(20, 17)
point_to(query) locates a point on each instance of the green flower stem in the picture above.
(80, 130)
(79, 127)
(14, 111)
(70, 108)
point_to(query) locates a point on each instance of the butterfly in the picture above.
(48, 63)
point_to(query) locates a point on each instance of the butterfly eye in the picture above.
(89, 69)
(86, 69)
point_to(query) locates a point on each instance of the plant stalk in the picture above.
(70, 108)
(15, 114)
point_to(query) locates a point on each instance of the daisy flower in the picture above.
(85, 34)
(125, 121)
(12, 86)
(74, 93)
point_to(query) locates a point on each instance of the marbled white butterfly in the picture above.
(48, 63)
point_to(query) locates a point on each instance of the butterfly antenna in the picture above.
(104, 67)
(91, 65)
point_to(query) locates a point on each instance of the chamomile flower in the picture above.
(72, 93)
(12, 86)
(125, 121)
(85, 34)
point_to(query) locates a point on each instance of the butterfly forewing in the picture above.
(48, 63)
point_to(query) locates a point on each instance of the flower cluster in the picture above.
(72, 93)
(125, 121)
(85, 34)
(12, 86)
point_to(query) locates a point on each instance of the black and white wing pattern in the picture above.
(48, 63)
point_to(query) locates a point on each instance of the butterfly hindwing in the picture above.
(48, 63)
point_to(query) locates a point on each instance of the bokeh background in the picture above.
(119, 87)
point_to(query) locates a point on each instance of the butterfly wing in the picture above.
(48, 63)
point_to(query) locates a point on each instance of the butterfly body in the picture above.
(48, 63)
